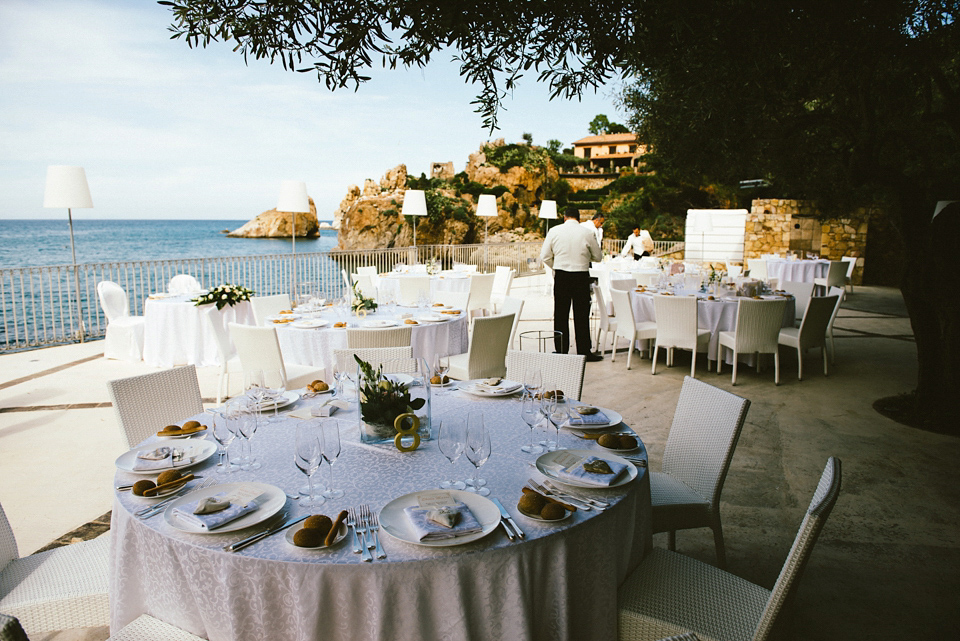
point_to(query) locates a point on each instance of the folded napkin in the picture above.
(503, 387)
(213, 520)
(427, 530)
(158, 459)
(577, 473)
(576, 418)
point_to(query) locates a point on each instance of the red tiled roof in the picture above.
(606, 139)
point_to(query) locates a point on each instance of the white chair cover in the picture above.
(264, 306)
(183, 284)
(502, 282)
(481, 287)
(258, 348)
(412, 287)
(124, 339)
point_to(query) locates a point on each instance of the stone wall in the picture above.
(580, 182)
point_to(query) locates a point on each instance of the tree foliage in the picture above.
(602, 125)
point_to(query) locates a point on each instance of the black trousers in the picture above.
(571, 288)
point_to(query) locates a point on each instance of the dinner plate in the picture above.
(546, 466)
(474, 388)
(615, 419)
(433, 318)
(394, 521)
(341, 535)
(271, 500)
(287, 399)
(200, 451)
(379, 323)
(312, 323)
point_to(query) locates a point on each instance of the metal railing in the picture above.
(38, 305)
(660, 247)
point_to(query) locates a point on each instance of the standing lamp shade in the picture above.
(67, 187)
(487, 205)
(414, 204)
(293, 199)
(548, 211)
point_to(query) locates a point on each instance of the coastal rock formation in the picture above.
(275, 224)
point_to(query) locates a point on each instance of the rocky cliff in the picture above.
(275, 224)
(369, 217)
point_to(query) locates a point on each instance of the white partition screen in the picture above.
(715, 235)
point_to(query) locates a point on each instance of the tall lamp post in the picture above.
(548, 211)
(67, 187)
(293, 199)
(486, 207)
(414, 204)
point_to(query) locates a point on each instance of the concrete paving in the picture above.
(886, 565)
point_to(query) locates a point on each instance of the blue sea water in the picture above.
(26, 243)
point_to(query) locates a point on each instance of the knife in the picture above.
(509, 520)
(250, 540)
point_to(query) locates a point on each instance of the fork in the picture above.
(598, 504)
(361, 529)
(153, 510)
(375, 532)
(352, 524)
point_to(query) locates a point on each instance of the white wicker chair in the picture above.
(686, 492)
(258, 348)
(487, 354)
(840, 293)
(851, 263)
(183, 284)
(502, 282)
(563, 371)
(146, 628)
(734, 271)
(512, 306)
(627, 326)
(645, 279)
(836, 276)
(411, 287)
(607, 322)
(669, 593)
(481, 288)
(215, 321)
(373, 355)
(264, 306)
(390, 337)
(677, 328)
(145, 404)
(54, 590)
(758, 269)
(812, 331)
(625, 284)
(801, 295)
(370, 270)
(124, 339)
(757, 331)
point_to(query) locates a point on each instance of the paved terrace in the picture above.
(887, 565)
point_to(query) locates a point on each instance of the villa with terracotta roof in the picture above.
(609, 151)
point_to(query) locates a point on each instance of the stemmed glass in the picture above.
(548, 406)
(531, 381)
(330, 448)
(558, 416)
(441, 365)
(308, 456)
(253, 386)
(224, 435)
(478, 450)
(530, 413)
(274, 385)
(451, 440)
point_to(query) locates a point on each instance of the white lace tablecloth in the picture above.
(719, 315)
(803, 271)
(390, 284)
(315, 346)
(558, 584)
(176, 333)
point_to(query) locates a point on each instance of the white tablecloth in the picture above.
(390, 284)
(176, 333)
(719, 315)
(797, 270)
(558, 584)
(315, 346)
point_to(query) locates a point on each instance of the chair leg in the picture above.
(733, 381)
(799, 364)
(693, 363)
(719, 358)
(633, 340)
(823, 352)
(653, 368)
(672, 540)
(776, 367)
(718, 542)
(833, 349)
(614, 347)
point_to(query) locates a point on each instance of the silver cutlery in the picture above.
(156, 508)
(352, 524)
(639, 462)
(360, 532)
(375, 528)
(580, 497)
(508, 522)
(560, 496)
(259, 536)
(129, 486)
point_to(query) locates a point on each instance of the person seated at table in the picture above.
(638, 243)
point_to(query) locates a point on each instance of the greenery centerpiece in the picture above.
(385, 396)
(362, 302)
(433, 266)
(223, 295)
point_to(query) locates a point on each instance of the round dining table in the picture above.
(175, 331)
(314, 346)
(558, 583)
(803, 271)
(446, 281)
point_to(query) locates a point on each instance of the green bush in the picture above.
(506, 156)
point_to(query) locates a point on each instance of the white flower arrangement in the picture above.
(224, 295)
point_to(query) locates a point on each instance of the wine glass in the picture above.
(531, 381)
(274, 385)
(530, 413)
(248, 424)
(224, 436)
(451, 440)
(308, 455)
(253, 387)
(548, 406)
(441, 365)
(558, 417)
(478, 450)
(330, 448)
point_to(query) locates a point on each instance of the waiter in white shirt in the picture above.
(595, 226)
(569, 248)
(639, 244)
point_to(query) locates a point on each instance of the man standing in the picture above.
(569, 248)
(639, 244)
(595, 226)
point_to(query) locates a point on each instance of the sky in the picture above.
(165, 131)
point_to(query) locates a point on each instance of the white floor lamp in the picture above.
(548, 211)
(67, 187)
(293, 199)
(414, 204)
(486, 207)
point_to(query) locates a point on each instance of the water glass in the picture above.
(330, 448)
(548, 405)
(223, 435)
(248, 424)
(274, 385)
(530, 413)
(307, 456)
(478, 451)
(531, 381)
(451, 441)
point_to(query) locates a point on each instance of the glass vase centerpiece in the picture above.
(360, 302)
(394, 397)
(433, 266)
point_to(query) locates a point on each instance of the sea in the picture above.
(31, 243)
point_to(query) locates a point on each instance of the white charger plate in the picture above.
(291, 531)
(394, 521)
(615, 419)
(202, 451)
(312, 323)
(545, 467)
(271, 501)
(379, 323)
